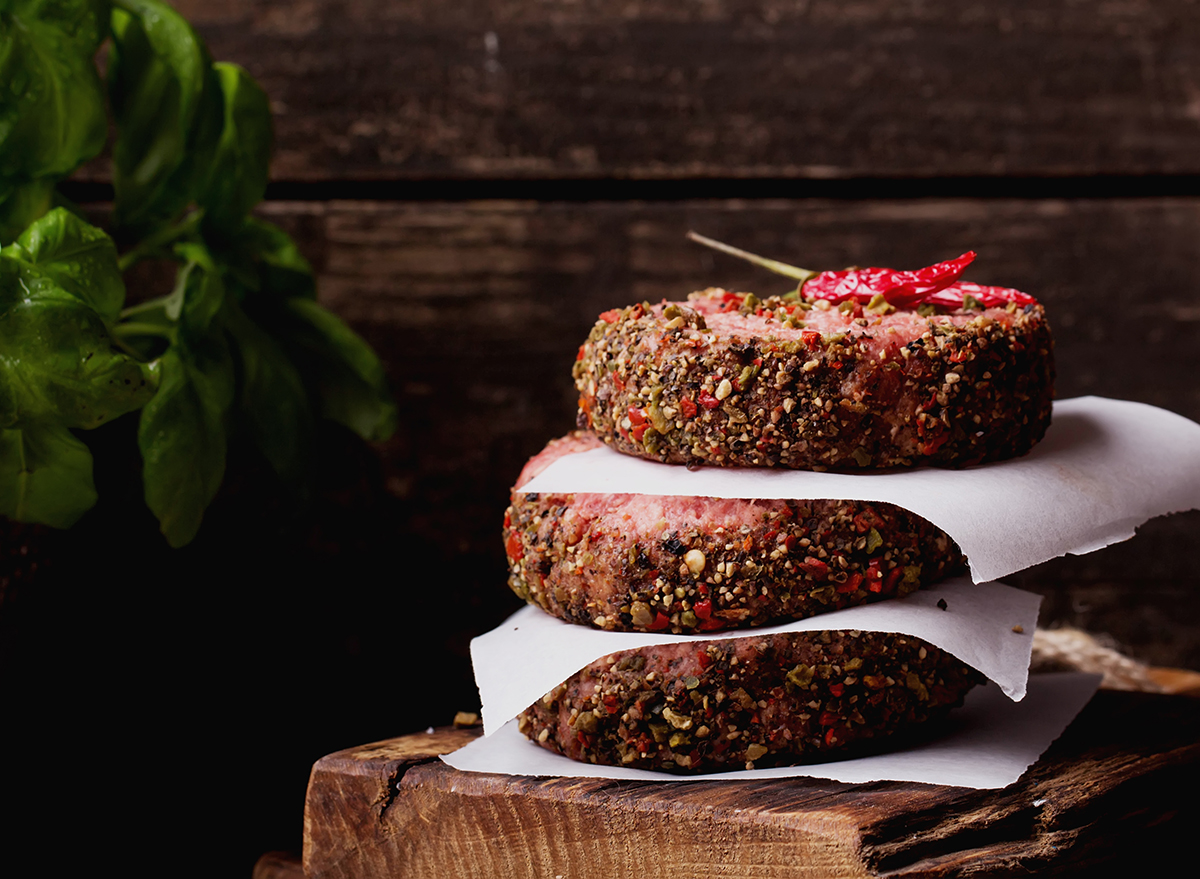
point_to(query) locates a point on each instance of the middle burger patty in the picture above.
(626, 562)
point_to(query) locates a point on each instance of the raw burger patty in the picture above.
(686, 564)
(725, 379)
(744, 703)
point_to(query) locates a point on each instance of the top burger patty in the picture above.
(725, 379)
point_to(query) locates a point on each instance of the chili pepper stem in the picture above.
(778, 268)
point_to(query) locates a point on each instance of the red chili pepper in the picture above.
(703, 658)
(831, 737)
(610, 703)
(579, 354)
(636, 415)
(611, 316)
(828, 718)
(688, 408)
(811, 338)
(789, 542)
(889, 582)
(703, 589)
(710, 625)
(902, 289)
(514, 547)
(988, 297)
(703, 609)
(835, 689)
(708, 401)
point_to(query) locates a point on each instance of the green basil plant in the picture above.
(238, 345)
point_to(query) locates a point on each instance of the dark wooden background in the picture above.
(474, 182)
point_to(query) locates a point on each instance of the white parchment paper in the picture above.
(1104, 467)
(532, 652)
(988, 743)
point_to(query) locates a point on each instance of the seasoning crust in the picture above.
(745, 703)
(626, 562)
(730, 380)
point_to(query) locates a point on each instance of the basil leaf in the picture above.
(346, 375)
(78, 257)
(58, 363)
(45, 476)
(23, 204)
(52, 113)
(266, 264)
(203, 288)
(238, 177)
(273, 404)
(182, 435)
(167, 106)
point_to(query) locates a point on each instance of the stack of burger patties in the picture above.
(862, 371)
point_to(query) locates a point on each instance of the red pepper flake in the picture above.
(816, 568)
(708, 401)
(688, 407)
(702, 589)
(873, 571)
(579, 354)
(811, 338)
(661, 621)
(610, 703)
(514, 547)
(831, 737)
(866, 520)
(710, 625)
(611, 316)
(935, 443)
(828, 718)
(837, 689)
(852, 583)
(703, 658)
(889, 583)
(703, 609)
(789, 542)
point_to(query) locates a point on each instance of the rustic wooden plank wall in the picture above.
(475, 181)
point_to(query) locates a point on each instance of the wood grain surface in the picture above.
(561, 89)
(1114, 790)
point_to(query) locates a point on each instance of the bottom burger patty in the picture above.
(742, 703)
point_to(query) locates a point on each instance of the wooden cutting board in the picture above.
(1118, 789)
